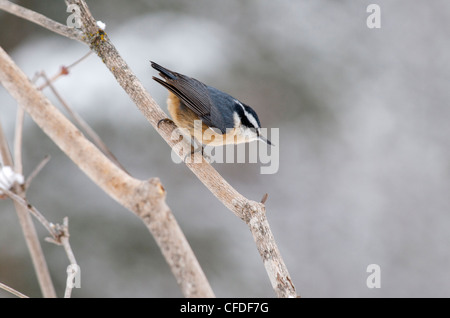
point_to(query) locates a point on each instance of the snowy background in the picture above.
(364, 172)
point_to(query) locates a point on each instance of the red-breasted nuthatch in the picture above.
(190, 100)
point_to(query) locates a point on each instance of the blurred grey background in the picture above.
(364, 172)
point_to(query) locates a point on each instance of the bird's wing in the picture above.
(193, 93)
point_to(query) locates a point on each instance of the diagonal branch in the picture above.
(12, 291)
(83, 124)
(36, 170)
(42, 20)
(145, 198)
(253, 213)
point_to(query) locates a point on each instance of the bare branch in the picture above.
(253, 213)
(63, 71)
(5, 154)
(83, 124)
(36, 170)
(145, 198)
(18, 140)
(42, 20)
(28, 229)
(60, 233)
(12, 291)
(38, 215)
(63, 239)
(264, 198)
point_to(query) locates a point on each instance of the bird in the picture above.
(224, 119)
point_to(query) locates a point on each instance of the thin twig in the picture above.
(59, 234)
(63, 239)
(26, 223)
(12, 291)
(264, 198)
(79, 60)
(18, 140)
(63, 71)
(18, 167)
(5, 154)
(36, 170)
(34, 212)
(73, 262)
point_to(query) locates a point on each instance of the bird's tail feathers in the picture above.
(164, 72)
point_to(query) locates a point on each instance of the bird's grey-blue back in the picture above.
(222, 101)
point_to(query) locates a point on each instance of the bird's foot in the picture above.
(166, 120)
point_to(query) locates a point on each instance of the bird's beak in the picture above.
(267, 141)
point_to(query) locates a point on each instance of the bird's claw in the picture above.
(166, 120)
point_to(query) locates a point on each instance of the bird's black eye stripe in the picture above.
(243, 117)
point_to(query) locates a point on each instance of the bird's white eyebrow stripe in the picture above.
(249, 116)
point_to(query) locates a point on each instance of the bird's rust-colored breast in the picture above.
(183, 117)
